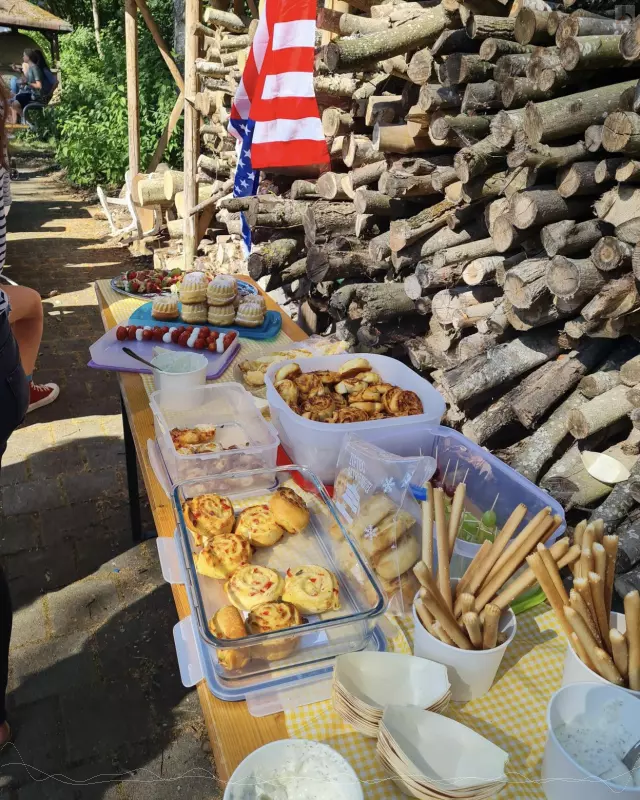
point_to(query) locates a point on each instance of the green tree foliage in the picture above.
(91, 117)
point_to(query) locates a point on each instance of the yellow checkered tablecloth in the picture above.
(122, 307)
(512, 715)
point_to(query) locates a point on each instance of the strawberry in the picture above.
(121, 333)
(134, 286)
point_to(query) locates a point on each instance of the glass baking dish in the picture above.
(323, 543)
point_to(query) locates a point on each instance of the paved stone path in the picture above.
(95, 692)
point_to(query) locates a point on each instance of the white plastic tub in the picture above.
(317, 444)
(238, 421)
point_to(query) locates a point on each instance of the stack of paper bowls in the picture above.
(365, 683)
(430, 756)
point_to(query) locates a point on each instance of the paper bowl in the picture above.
(442, 753)
(562, 777)
(270, 759)
(382, 679)
(576, 671)
(471, 672)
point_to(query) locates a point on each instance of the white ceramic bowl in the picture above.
(268, 758)
(471, 672)
(562, 777)
(576, 671)
(177, 385)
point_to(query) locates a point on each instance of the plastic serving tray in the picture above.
(269, 328)
(106, 353)
(196, 659)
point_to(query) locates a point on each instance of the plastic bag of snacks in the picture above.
(376, 506)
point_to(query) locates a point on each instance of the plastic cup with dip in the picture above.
(471, 672)
(176, 375)
(563, 778)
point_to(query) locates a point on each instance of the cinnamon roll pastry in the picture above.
(288, 391)
(350, 414)
(389, 398)
(328, 377)
(311, 589)
(207, 516)
(368, 395)
(399, 558)
(310, 384)
(339, 401)
(288, 372)
(274, 616)
(318, 408)
(404, 403)
(289, 510)
(370, 408)
(251, 585)
(227, 623)
(257, 525)
(353, 367)
(372, 378)
(383, 388)
(222, 556)
(351, 386)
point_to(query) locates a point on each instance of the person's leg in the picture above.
(14, 399)
(27, 320)
(14, 85)
(6, 618)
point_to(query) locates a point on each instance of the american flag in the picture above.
(275, 114)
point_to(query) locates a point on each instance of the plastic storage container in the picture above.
(318, 443)
(239, 424)
(490, 484)
(323, 636)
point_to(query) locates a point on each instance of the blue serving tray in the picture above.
(269, 328)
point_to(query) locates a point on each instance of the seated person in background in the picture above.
(36, 87)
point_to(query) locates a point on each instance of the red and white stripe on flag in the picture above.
(277, 91)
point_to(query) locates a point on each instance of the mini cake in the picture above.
(193, 288)
(222, 290)
(221, 315)
(249, 315)
(194, 313)
(255, 300)
(165, 307)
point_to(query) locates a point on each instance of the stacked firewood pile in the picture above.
(481, 219)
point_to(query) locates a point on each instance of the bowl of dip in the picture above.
(591, 726)
(294, 769)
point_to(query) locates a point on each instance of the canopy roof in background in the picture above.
(28, 16)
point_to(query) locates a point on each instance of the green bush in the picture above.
(90, 118)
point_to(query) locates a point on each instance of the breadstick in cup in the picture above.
(620, 651)
(577, 603)
(490, 632)
(602, 661)
(581, 585)
(471, 622)
(457, 507)
(597, 594)
(610, 544)
(578, 535)
(442, 541)
(554, 573)
(427, 528)
(632, 616)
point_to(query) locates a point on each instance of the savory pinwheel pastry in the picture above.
(208, 515)
(311, 589)
(309, 384)
(318, 408)
(349, 414)
(402, 403)
(227, 623)
(222, 556)
(289, 510)
(274, 616)
(258, 526)
(288, 391)
(251, 585)
(187, 438)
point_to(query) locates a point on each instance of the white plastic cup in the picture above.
(176, 386)
(562, 777)
(471, 672)
(576, 671)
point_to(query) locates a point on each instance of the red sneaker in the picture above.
(42, 395)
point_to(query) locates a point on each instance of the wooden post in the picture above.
(133, 108)
(191, 130)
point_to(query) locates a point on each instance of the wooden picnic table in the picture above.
(233, 732)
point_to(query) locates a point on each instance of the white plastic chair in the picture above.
(133, 230)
